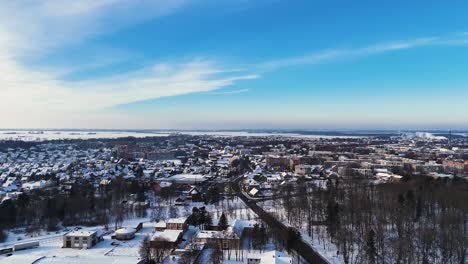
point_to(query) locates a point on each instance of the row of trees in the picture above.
(81, 205)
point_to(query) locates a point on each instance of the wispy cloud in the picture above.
(232, 92)
(33, 29)
(338, 54)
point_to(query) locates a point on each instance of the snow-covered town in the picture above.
(233, 132)
(220, 198)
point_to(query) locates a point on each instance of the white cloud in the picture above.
(394, 45)
(315, 58)
(159, 81)
(233, 91)
(33, 97)
(36, 26)
(331, 55)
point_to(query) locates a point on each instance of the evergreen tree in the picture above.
(193, 218)
(208, 221)
(222, 224)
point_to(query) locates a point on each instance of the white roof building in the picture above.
(168, 235)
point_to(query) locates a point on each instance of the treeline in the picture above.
(419, 221)
(82, 204)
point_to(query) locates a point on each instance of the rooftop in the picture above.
(81, 233)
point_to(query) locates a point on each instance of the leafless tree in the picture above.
(145, 250)
(160, 248)
(216, 256)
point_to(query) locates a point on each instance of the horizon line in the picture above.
(238, 129)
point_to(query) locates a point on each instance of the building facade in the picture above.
(80, 239)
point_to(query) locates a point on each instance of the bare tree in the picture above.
(190, 256)
(145, 250)
(216, 256)
(118, 213)
(160, 248)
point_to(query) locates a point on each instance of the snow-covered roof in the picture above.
(77, 233)
(125, 231)
(253, 192)
(169, 235)
(208, 234)
(188, 178)
(179, 220)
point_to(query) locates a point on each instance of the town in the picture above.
(233, 132)
(204, 198)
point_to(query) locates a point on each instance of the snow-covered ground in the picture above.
(320, 240)
(323, 246)
(107, 251)
(257, 134)
(422, 135)
(33, 135)
(55, 135)
(113, 251)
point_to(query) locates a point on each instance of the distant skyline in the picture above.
(234, 64)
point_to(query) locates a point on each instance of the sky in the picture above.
(234, 64)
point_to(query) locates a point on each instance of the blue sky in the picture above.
(234, 64)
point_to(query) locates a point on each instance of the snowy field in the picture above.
(257, 134)
(107, 251)
(56, 135)
(33, 135)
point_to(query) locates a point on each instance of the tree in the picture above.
(3, 235)
(418, 209)
(222, 224)
(332, 216)
(118, 215)
(145, 250)
(141, 197)
(212, 195)
(23, 200)
(217, 251)
(208, 221)
(157, 213)
(293, 236)
(172, 212)
(371, 250)
(193, 219)
(139, 171)
(190, 255)
(160, 248)
(259, 236)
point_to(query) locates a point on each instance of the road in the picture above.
(308, 253)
